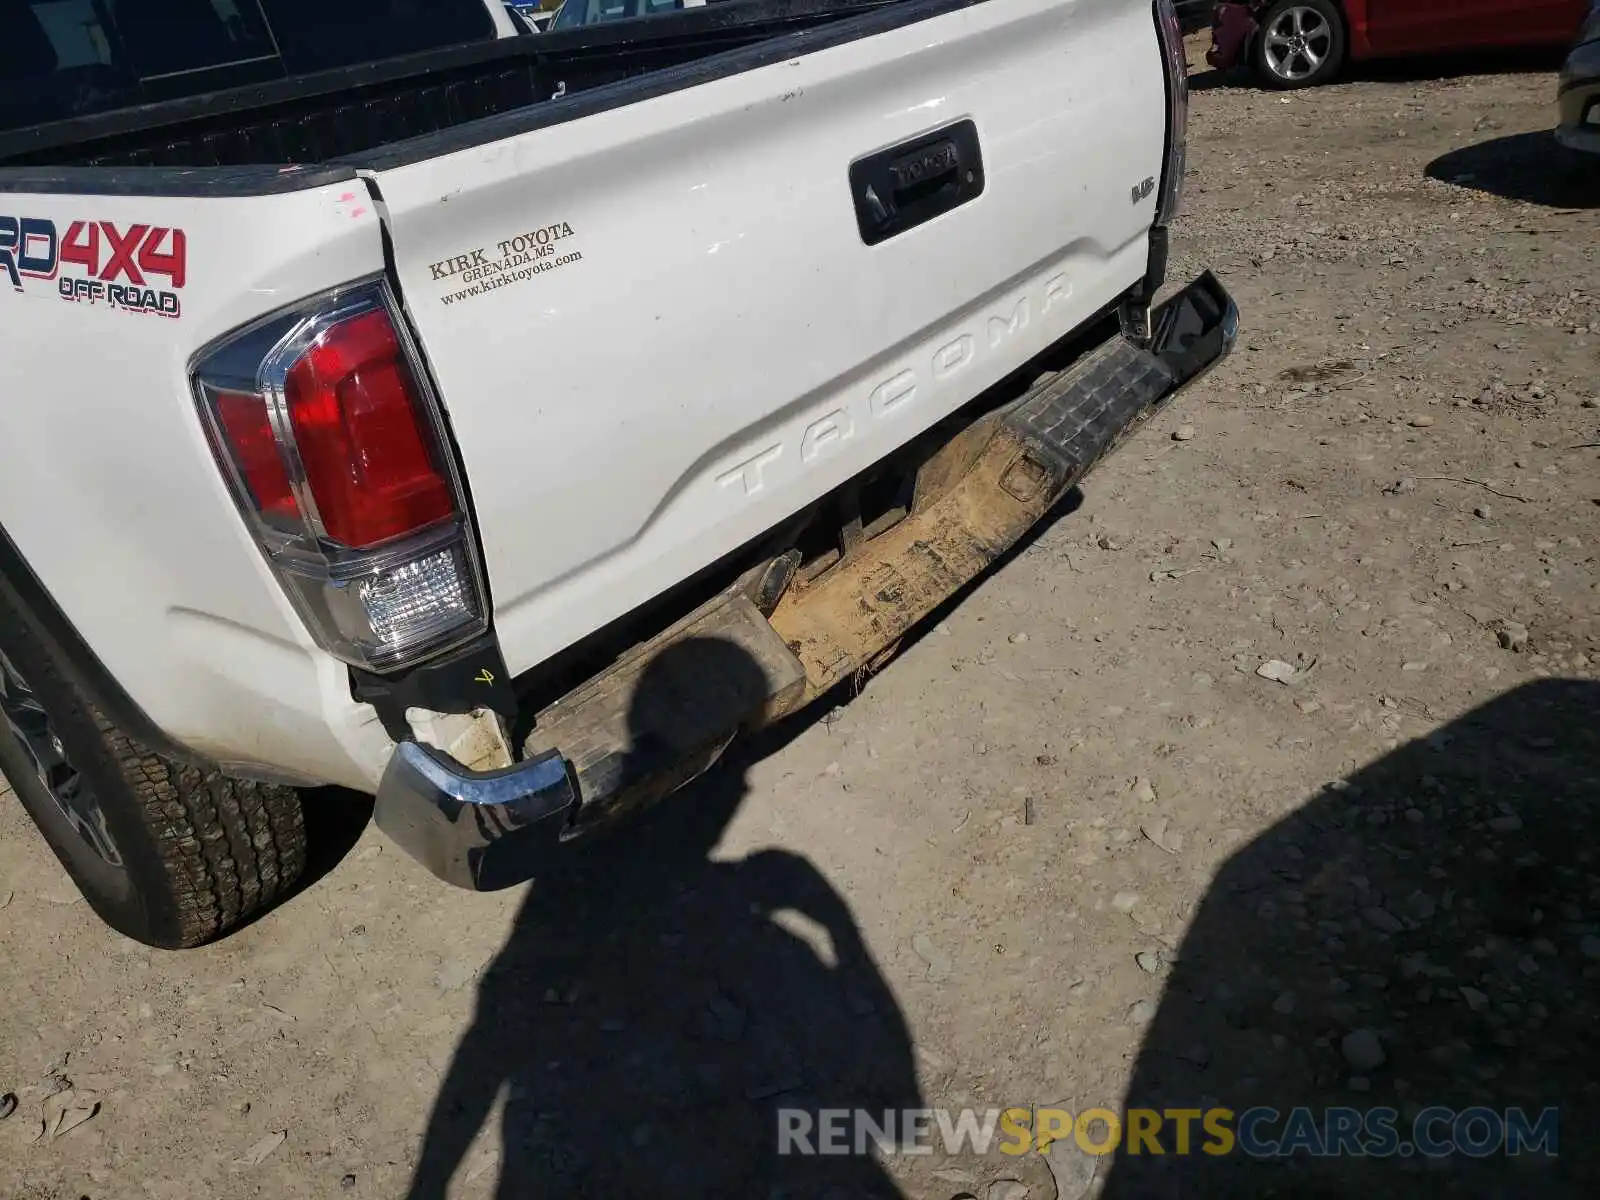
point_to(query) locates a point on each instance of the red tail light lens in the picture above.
(362, 441)
(245, 424)
(324, 424)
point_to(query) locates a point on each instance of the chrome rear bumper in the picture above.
(480, 830)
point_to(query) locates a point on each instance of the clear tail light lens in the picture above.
(1170, 32)
(335, 449)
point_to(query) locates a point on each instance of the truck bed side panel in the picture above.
(108, 488)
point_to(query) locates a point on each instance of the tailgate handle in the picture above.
(899, 188)
(925, 169)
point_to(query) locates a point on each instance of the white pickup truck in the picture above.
(499, 425)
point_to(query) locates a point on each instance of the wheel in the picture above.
(1300, 43)
(166, 853)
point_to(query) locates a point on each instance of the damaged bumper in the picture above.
(665, 711)
(480, 830)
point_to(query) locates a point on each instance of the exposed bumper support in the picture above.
(984, 490)
(666, 710)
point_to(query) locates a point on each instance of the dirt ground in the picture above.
(1071, 846)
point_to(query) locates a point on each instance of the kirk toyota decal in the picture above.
(134, 267)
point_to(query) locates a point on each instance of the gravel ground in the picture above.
(1080, 844)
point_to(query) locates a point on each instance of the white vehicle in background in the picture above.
(499, 425)
(576, 14)
(531, 17)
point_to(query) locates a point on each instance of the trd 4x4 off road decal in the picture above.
(98, 262)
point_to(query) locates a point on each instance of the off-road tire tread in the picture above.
(230, 847)
(224, 849)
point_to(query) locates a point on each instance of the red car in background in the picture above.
(1298, 43)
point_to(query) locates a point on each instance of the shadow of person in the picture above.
(1425, 934)
(1531, 167)
(654, 1008)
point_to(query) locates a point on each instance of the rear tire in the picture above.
(1300, 43)
(168, 853)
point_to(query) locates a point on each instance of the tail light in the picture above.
(333, 443)
(1176, 65)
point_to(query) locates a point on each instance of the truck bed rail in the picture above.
(331, 115)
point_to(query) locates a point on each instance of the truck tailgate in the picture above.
(659, 328)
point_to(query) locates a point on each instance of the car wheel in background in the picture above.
(1300, 43)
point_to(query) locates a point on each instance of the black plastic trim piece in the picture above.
(1167, 85)
(1155, 272)
(160, 114)
(223, 182)
(880, 18)
(813, 25)
(691, 23)
(80, 663)
(1195, 329)
(906, 185)
(470, 677)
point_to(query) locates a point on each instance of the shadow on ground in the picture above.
(1532, 167)
(653, 1008)
(1444, 908)
(335, 819)
(1210, 79)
